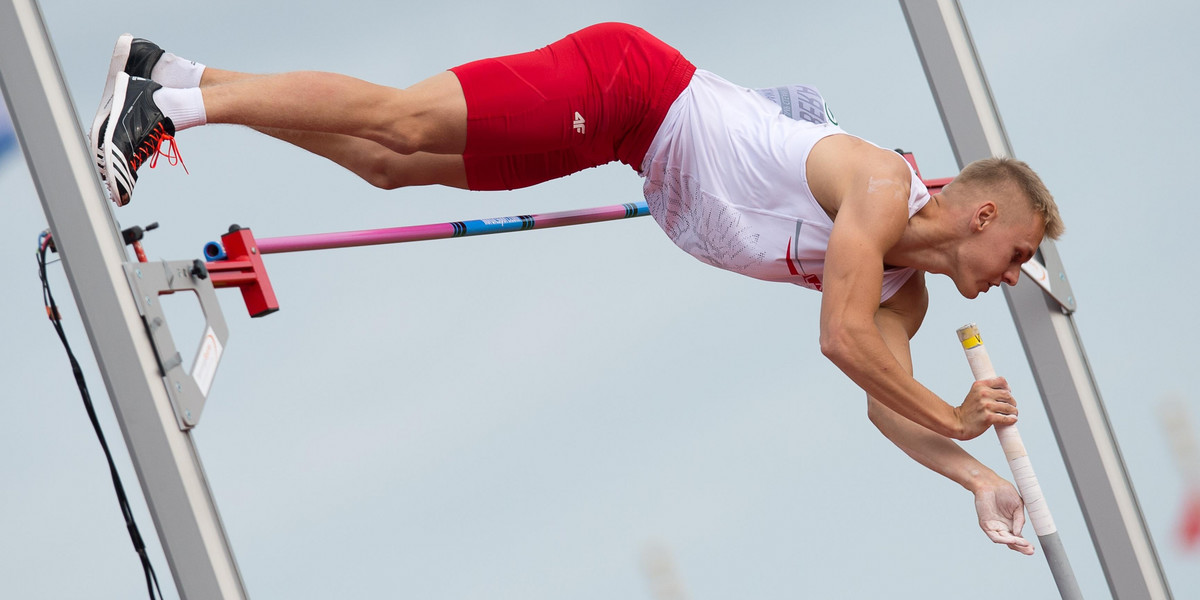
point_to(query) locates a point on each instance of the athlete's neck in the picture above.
(929, 240)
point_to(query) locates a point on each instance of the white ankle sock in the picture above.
(175, 72)
(185, 107)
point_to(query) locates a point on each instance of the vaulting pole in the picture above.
(1023, 474)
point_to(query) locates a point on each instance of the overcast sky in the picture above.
(527, 416)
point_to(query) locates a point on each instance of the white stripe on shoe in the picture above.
(120, 56)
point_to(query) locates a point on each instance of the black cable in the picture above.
(122, 499)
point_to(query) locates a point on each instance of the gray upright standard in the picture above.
(89, 242)
(1043, 320)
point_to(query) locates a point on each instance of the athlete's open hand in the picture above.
(1002, 514)
(990, 402)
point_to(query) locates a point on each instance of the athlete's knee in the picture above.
(385, 180)
(402, 178)
(383, 169)
(391, 171)
(391, 174)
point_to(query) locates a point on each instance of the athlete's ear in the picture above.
(984, 214)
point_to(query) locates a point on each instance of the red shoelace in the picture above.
(158, 143)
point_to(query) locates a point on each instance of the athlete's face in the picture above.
(998, 246)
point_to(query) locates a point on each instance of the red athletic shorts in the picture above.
(596, 96)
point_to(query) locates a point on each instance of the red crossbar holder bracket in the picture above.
(933, 185)
(243, 268)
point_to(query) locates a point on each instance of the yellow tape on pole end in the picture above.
(969, 336)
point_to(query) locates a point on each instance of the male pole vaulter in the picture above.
(772, 190)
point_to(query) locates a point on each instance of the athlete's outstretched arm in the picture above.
(997, 503)
(871, 189)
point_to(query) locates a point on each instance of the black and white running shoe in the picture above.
(133, 56)
(134, 131)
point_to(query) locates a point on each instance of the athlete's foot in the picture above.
(133, 132)
(135, 57)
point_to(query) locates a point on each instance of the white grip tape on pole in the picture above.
(1010, 438)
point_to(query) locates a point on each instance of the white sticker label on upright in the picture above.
(1037, 273)
(205, 368)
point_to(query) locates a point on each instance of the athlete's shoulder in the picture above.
(838, 166)
(844, 153)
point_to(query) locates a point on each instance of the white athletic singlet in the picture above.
(725, 179)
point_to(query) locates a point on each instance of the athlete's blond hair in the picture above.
(992, 172)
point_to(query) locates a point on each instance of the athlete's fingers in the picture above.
(999, 419)
(1003, 408)
(996, 383)
(1019, 520)
(1001, 535)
